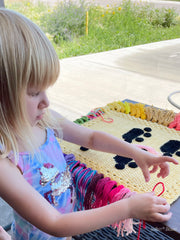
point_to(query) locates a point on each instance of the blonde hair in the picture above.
(27, 59)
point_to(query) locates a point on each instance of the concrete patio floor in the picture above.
(145, 73)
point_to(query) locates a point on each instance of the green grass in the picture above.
(108, 28)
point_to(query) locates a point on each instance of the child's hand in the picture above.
(156, 162)
(149, 207)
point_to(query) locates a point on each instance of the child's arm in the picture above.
(34, 208)
(105, 142)
(4, 235)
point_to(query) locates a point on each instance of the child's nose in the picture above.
(44, 101)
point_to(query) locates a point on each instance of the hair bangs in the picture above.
(45, 65)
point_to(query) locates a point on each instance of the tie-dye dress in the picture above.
(48, 173)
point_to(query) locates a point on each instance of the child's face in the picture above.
(36, 103)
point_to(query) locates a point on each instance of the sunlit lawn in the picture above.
(108, 28)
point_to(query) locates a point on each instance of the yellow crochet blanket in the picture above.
(158, 139)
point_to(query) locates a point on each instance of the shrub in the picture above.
(162, 17)
(66, 21)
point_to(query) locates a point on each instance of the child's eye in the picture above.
(33, 94)
(36, 94)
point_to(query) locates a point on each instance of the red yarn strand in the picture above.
(144, 224)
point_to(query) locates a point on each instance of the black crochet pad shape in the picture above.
(171, 147)
(137, 134)
(121, 162)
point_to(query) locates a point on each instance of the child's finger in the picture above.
(163, 208)
(160, 200)
(164, 170)
(146, 174)
(168, 159)
(163, 217)
(154, 169)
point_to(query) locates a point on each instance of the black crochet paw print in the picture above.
(171, 147)
(136, 133)
(83, 148)
(121, 162)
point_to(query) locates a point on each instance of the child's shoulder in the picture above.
(6, 165)
(4, 162)
(8, 171)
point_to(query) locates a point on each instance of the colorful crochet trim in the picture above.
(91, 115)
(176, 122)
(93, 191)
(150, 113)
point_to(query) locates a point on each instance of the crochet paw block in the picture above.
(156, 128)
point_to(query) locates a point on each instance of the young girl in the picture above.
(30, 155)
